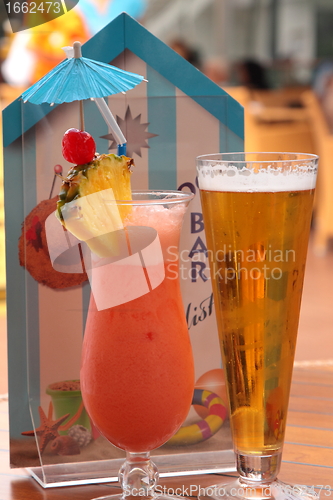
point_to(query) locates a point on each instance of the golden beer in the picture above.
(257, 215)
(257, 270)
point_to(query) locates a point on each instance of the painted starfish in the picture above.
(48, 429)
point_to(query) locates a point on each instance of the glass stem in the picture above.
(255, 468)
(138, 475)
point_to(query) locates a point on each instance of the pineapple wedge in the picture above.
(87, 206)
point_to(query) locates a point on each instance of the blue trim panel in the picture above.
(19, 416)
(12, 119)
(31, 285)
(162, 120)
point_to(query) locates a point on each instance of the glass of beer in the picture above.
(257, 211)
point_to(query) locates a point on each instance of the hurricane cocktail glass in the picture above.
(257, 213)
(137, 374)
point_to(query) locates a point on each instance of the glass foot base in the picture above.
(241, 490)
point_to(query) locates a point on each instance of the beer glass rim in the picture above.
(261, 157)
(157, 197)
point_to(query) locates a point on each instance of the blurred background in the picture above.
(289, 38)
(274, 56)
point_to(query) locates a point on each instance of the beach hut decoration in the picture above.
(175, 116)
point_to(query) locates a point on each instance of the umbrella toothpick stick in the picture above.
(82, 127)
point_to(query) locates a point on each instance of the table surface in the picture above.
(307, 455)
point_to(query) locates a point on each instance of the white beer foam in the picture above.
(222, 177)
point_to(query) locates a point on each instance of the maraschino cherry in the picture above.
(78, 146)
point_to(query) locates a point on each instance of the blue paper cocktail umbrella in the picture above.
(78, 78)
